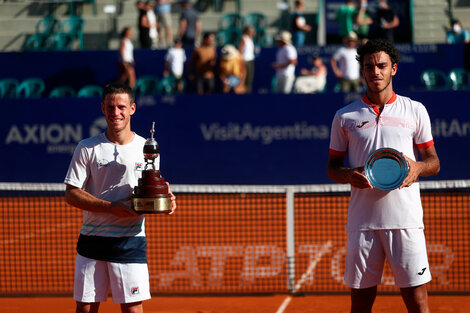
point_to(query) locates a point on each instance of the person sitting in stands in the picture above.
(232, 70)
(457, 34)
(312, 80)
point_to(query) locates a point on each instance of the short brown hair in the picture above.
(115, 88)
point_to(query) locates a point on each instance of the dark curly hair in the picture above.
(376, 45)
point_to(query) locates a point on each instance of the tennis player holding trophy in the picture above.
(112, 246)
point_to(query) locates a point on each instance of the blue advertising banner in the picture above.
(219, 139)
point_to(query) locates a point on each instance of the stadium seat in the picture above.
(230, 20)
(8, 88)
(259, 22)
(90, 91)
(337, 88)
(433, 79)
(35, 42)
(47, 26)
(255, 19)
(30, 88)
(273, 84)
(459, 79)
(146, 85)
(59, 42)
(62, 92)
(230, 35)
(260, 39)
(168, 85)
(72, 29)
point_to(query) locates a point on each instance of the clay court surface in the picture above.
(246, 304)
(244, 254)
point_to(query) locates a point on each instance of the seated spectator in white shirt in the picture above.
(312, 80)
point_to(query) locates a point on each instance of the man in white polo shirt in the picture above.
(286, 61)
(112, 247)
(345, 66)
(383, 224)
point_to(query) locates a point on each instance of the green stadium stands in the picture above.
(62, 92)
(30, 88)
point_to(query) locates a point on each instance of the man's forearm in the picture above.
(430, 166)
(340, 175)
(85, 201)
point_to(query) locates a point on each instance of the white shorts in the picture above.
(128, 282)
(405, 250)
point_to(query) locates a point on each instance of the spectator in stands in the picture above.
(201, 66)
(189, 25)
(286, 60)
(386, 21)
(344, 65)
(457, 34)
(111, 248)
(299, 26)
(174, 64)
(127, 63)
(232, 70)
(312, 80)
(363, 20)
(152, 23)
(143, 25)
(247, 50)
(148, 35)
(163, 12)
(345, 18)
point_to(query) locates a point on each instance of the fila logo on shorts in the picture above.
(135, 290)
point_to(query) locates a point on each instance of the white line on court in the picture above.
(307, 273)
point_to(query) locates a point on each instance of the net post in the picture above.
(290, 238)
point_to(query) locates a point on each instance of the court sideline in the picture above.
(245, 304)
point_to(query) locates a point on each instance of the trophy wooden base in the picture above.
(152, 205)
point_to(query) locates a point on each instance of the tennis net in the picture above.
(228, 239)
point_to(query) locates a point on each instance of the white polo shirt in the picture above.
(109, 172)
(347, 63)
(359, 130)
(283, 56)
(176, 58)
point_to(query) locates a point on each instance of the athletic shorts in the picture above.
(128, 282)
(404, 249)
(164, 18)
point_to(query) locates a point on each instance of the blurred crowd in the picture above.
(208, 70)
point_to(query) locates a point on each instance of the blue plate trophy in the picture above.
(386, 168)
(151, 195)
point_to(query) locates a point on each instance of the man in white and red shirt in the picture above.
(383, 224)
